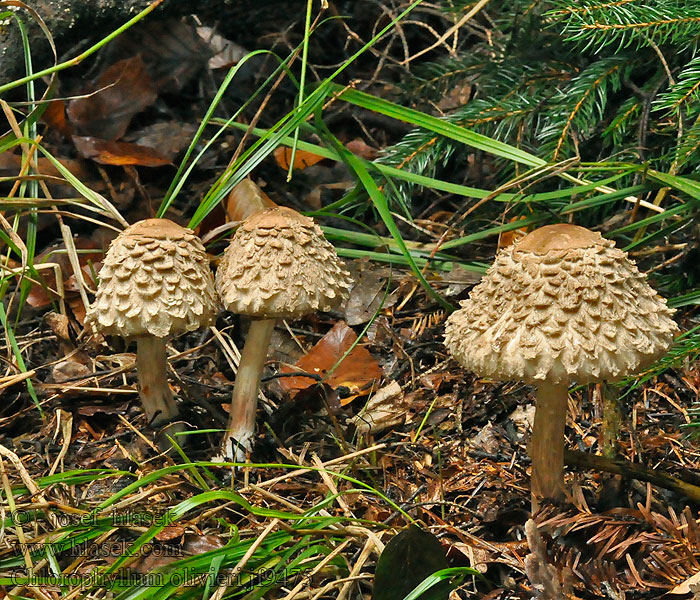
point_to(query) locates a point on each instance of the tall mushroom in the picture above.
(278, 265)
(561, 305)
(155, 282)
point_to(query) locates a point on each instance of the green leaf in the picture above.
(406, 561)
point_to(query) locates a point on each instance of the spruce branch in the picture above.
(591, 24)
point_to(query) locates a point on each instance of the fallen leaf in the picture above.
(38, 296)
(108, 408)
(385, 409)
(68, 370)
(170, 532)
(171, 49)
(302, 158)
(359, 148)
(226, 53)
(122, 90)
(508, 238)
(368, 295)
(55, 117)
(246, 199)
(168, 138)
(458, 280)
(406, 561)
(59, 324)
(684, 587)
(357, 373)
(109, 152)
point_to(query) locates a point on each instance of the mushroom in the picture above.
(560, 305)
(155, 282)
(278, 265)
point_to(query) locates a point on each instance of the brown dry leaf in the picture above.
(10, 164)
(367, 296)
(359, 148)
(359, 371)
(38, 296)
(123, 90)
(385, 409)
(59, 324)
(69, 370)
(508, 238)
(107, 408)
(302, 158)
(171, 49)
(170, 533)
(684, 587)
(55, 116)
(167, 137)
(246, 199)
(118, 153)
(226, 52)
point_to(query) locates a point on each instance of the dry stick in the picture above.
(246, 557)
(335, 461)
(316, 569)
(244, 403)
(630, 470)
(547, 445)
(370, 545)
(330, 484)
(475, 9)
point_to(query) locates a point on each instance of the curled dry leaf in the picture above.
(118, 153)
(358, 372)
(226, 53)
(38, 296)
(246, 199)
(123, 90)
(385, 409)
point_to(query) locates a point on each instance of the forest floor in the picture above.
(398, 433)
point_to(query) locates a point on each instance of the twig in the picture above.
(441, 40)
(573, 458)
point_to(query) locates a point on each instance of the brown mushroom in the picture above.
(278, 265)
(561, 305)
(155, 282)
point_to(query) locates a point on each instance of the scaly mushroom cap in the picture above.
(279, 265)
(562, 304)
(155, 280)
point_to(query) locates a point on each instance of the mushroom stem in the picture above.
(241, 424)
(152, 367)
(547, 445)
(612, 419)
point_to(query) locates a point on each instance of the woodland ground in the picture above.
(326, 491)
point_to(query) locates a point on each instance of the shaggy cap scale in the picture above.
(563, 304)
(279, 265)
(155, 280)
